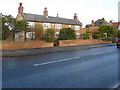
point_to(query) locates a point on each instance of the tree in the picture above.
(109, 30)
(67, 34)
(38, 32)
(7, 26)
(21, 25)
(87, 34)
(49, 35)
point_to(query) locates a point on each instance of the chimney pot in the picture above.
(20, 4)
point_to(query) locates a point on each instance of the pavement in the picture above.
(39, 51)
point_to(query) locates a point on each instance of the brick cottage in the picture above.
(47, 21)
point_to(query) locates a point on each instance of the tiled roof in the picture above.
(115, 25)
(99, 22)
(49, 19)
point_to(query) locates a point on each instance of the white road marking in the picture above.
(103, 52)
(67, 59)
(116, 86)
(76, 57)
(55, 61)
(99, 53)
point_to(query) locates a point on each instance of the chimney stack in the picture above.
(45, 12)
(20, 9)
(57, 14)
(103, 21)
(110, 22)
(75, 16)
(92, 22)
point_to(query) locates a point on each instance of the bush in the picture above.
(87, 34)
(106, 29)
(67, 34)
(95, 36)
(49, 35)
(107, 38)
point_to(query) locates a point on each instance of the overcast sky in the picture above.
(87, 10)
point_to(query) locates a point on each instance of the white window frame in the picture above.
(29, 35)
(70, 26)
(77, 27)
(46, 25)
(58, 26)
(31, 25)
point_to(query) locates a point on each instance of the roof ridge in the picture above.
(50, 16)
(37, 17)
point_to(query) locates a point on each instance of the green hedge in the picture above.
(67, 34)
(49, 35)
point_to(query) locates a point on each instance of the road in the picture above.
(90, 68)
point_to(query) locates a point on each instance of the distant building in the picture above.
(47, 21)
(93, 27)
(116, 25)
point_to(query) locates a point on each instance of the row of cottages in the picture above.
(47, 21)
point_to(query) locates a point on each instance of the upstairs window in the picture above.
(58, 26)
(70, 26)
(31, 25)
(77, 27)
(46, 25)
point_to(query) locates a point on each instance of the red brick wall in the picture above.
(24, 45)
(81, 42)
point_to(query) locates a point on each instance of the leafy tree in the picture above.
(67, 34)
(38, 32)
(49, 35)
(21, 25)
(106, 29)
(87, 34)
(7, 26)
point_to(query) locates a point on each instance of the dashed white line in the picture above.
(67, 59)
(103, 52)
(55, 61)
(99, 53)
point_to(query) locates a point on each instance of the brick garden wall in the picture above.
(81, 42)
(24, 45)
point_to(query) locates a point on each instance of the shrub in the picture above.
(87, 34)
(49, 35)
(107, 38)
(106, 29)
(67, 34)
(95, 36)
